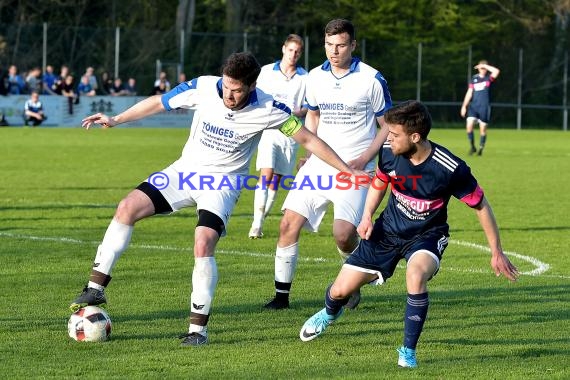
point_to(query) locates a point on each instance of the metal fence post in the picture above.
(44, 49)
(182, 43)
(519, 95)
(117, 45)
(363, 50)
(565, 94)
(307, 53)
(244, 41)
(469, 63)
(419, 76)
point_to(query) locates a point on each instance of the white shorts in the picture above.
(276, 151)
(217, 193)
(314, 192)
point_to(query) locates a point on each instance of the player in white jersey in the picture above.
(230, 115)
(346, 100)
(276, 153)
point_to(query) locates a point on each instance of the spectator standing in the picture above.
(131, 87)
(162, 78)
(16, 84)
(68, 90)
(57, 86)
(48, 81)
(106, 84)
(181, 78)
(160, 89)
(118, 89)
(84, 88)
(92, 78)
(34, 80)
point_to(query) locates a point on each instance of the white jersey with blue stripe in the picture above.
(222, 140)
(290, 91)
(348, 107)
(33, 106)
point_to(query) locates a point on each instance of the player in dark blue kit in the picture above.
(477, 105)
(423, 176)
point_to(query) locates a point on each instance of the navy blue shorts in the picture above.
(482, 113)
(381, 256)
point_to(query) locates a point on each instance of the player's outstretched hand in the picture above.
(502, 265)
(99, 118)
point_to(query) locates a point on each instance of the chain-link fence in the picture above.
(526, 95)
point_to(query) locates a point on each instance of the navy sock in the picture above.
(482, 141)
(471, 138)
(416, 312)
(333, 306)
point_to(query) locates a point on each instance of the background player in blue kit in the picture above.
(230, 116)
(423, 176)
(477, 104)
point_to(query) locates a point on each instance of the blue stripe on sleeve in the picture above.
(182, 87)
(387, 97)
(281, 106)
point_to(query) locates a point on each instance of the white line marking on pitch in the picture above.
(540, 267)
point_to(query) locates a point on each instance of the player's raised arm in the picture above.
(142, 109)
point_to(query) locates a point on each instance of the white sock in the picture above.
(286, 263)
(115, 242)
(204, 281)
(270, 200)
(260, 197)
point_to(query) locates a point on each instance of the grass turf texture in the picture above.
(58, 193)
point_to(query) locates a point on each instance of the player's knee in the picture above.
(205, 243)
(339, 291)
(346, 241)
(287, 227)
(126, 211)
(417, 279)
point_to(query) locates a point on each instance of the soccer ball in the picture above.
(89, 324)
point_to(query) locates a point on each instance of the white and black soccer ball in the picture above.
(89, 324)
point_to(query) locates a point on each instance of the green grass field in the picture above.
(58, 192)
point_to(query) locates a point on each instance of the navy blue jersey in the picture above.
(420, 193)
(481, 90)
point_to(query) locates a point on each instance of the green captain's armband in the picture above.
(291, 126)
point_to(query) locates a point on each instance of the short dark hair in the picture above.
(294, 38)
(242, 67)
(412, 115)
(339, 26)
